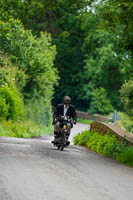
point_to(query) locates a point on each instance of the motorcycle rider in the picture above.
(65, 109)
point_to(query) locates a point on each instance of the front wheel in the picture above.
(62, 141)
(62, 147)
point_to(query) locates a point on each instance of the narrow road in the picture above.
(32, 169)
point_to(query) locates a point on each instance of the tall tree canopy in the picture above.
(93, 44)
(119, 14)
(32, 55)
(27, 73)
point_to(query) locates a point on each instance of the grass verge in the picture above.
(84, 121)
(107, 145)
(26, 129)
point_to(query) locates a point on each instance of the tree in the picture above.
(61, 19)
(100, 103)
(31, 66)
(11, 74)
(33, 55)
(91, 48)
(105, 63)
(40, 15)
(107, 69)
(119, 13)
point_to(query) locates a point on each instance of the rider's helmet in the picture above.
(67, 100)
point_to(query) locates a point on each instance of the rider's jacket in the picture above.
(59, 111)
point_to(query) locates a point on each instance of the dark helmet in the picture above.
(67, 99)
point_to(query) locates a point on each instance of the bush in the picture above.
(11, 105)
(92, 142)
(76, 139)
(25, 129)
(107, 145)
(110, 145)
(83, 138)
(4, 108)
(126, 156)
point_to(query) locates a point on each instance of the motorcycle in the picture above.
(61, 140)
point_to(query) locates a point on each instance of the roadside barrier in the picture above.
(105, 128)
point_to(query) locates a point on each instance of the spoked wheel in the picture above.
(62, 148)
(59, 141)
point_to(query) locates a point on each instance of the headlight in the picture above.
(64, 126)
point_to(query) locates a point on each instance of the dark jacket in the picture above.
(59, 111)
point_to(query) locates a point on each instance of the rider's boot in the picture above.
(55, 137)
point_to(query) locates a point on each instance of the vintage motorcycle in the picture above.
(61, 140)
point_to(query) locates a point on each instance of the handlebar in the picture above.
(65, 118)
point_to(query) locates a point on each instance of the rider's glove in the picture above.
(55, 120)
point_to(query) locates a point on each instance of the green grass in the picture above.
(84, 121)
(25, 129)
(107, 145)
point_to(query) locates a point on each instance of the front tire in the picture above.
(62, 141)
(62, 148)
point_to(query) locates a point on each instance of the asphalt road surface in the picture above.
(32, 169)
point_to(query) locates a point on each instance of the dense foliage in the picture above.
(88, 42)
(32, 55)
(107, 145)
(118, 14)
(27, 74)
(100, 103)
(11, 105)
(11, 101)
(23, 129)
